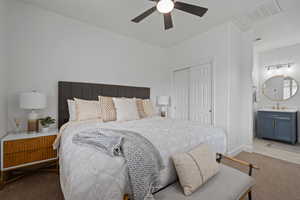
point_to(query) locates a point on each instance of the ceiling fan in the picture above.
(166, 7)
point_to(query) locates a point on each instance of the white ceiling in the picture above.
(280, 30)
(115, 15)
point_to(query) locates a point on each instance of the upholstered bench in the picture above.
(228, 184)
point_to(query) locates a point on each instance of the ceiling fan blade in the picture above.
(192, 9)
(144, 15)
(168, 21)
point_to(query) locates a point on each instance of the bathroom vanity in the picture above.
(278, 122)
(280, 125)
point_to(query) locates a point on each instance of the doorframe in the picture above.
(212, 62)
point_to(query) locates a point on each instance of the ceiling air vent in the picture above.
(266, 9)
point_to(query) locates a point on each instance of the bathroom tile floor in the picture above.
(283, 151)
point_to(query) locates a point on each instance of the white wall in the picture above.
(240, 115)
(46, 48)
(3, 66)
(276, 56)
(226, 45)
(246, 95)
(210, 45)
(234, 88)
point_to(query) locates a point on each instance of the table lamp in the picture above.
(163, 102)
(32, 101)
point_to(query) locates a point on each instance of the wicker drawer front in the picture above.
(28, 144)
(25, 151)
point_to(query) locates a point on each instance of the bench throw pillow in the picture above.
(86, 110)
(196, 167)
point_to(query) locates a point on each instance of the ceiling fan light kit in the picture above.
(166, 7)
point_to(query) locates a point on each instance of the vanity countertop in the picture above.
(288, 110)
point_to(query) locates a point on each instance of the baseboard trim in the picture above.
(248, 148)
(236, 151)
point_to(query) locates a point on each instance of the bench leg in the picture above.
(250, 195)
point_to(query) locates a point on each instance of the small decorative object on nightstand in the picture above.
(46, 122)
(32, 101)
(163, 102)
(26, 150)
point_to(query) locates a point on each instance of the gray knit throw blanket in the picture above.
(143, 159)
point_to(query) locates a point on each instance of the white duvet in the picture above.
(88, 174)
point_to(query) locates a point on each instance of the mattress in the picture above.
(89, 174)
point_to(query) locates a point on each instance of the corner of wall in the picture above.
(3, 68)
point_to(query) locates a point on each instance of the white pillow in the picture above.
(126, 109)
(72, 110)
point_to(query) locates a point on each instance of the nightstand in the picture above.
(22, 150)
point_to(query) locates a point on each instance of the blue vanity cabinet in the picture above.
(281, 126)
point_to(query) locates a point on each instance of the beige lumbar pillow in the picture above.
(86, 110)
(195, 167)
(108, 110)
(148, 108)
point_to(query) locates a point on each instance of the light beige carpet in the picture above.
(276, 180)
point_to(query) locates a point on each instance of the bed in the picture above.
(88, 174)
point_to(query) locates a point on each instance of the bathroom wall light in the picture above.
(279, 66)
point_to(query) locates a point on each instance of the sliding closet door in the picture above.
(181, 94)
(200, 94)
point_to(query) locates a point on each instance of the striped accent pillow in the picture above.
(86, 110)
(107, 107)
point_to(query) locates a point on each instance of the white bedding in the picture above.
(92, 175)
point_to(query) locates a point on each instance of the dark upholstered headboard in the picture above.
(91, 91)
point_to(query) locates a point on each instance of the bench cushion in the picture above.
(228, 184)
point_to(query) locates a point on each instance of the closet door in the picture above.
(200, 94)
(181, 94)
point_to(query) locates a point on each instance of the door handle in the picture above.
(273, 123)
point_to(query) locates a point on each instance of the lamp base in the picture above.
(163, 113)
(32, 125)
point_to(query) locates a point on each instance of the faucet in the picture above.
(277, 106)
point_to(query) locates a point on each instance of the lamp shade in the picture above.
(163, 100)
(32, 100)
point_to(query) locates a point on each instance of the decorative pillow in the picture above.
(126, 109)
(195, 167)
(108, 110)
(72, 110)
(86, 110)
(140, 107)
(148, 108)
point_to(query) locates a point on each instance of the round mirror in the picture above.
(280, 88)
